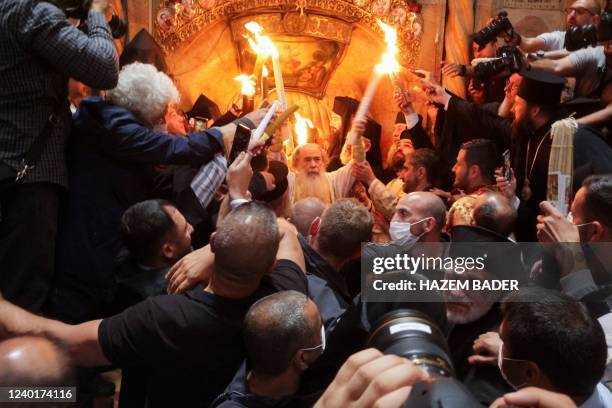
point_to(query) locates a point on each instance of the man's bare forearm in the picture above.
(81, 341)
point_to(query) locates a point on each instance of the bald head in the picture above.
(418, 205)
(245, 244)
(277, 327)
(494, 212)
(304, 212)
(33, 361)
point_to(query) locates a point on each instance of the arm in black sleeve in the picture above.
(418, 135)
(484, 124)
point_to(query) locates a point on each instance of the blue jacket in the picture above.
(110, 167)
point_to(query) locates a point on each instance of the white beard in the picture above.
(312, 185)
(475, 310)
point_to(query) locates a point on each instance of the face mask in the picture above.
(401, 234)
(500, 360)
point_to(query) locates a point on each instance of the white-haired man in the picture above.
(110, 168)
(308, 177)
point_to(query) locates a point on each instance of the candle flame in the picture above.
(264, 71)
(301, 128)
(248, 84)
(389, 64)
(261, 45)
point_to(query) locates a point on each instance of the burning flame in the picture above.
(389, 64)
(248, 84)
(301, 128)
(261, 45)
(264, 71)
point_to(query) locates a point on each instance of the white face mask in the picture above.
(500, 360)
(401, 234)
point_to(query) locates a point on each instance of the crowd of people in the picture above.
(129, 240)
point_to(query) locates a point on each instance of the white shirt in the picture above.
(601, 398)
(553, 41)
(590, 63)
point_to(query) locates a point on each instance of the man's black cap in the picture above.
(257, 186)
(204, 108)
(541, 88)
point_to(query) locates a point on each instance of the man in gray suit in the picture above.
(39, 51)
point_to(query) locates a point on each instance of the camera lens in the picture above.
(411, 334)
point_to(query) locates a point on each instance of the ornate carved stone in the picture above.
(314, 22)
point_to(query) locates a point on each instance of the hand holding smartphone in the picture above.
(242, 137)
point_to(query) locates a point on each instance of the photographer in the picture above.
(579, 13)
(482, 90)
(587, 65)
(39, 51)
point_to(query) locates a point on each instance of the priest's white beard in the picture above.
(464, 312)
(312, 185)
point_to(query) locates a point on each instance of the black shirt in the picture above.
(190, 344)
(238, 395)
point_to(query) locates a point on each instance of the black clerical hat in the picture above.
(143, 48)
(204, 108)
(345, 107)
(583, 106)
(541, 88)
(400, 118)
(503, 256)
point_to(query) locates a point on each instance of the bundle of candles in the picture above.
(561, 164)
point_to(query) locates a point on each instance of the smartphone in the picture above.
(242, 137)
(506, 167)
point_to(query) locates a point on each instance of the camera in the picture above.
(79, 9)
(501, 24)
(582, 36)
(508, 59)
(413, 335)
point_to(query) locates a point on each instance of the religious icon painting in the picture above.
(398, 16)
(206, 4)
(166, 19)
(188, 11)
(381, 8)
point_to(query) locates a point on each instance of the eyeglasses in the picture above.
(580, 11)
(320, 346)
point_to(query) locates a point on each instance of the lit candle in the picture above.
(258, 46)
(301, 128)
(366, 101)
(278, 80)
(264, 83)
(247, 91)
(388, 66)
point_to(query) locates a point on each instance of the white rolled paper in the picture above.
(264, 123)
